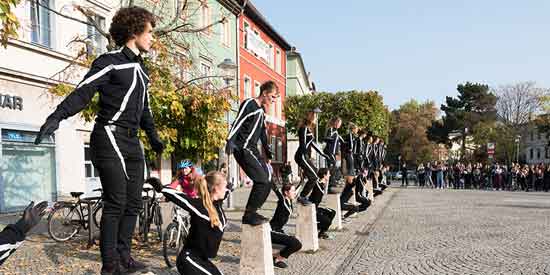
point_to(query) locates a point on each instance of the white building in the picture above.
(62, 164)
(535, 146)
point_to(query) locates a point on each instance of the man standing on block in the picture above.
(248, 128)
(121, 79)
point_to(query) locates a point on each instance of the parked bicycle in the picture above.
(150, 215)
(68, 217)
(175, 236)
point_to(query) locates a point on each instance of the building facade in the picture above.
(262, 57)
(534, 146)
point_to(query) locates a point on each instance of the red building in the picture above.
(262, 57)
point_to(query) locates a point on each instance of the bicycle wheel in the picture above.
(64, 222)
(171, 244)
(157, 220)
(98, 212)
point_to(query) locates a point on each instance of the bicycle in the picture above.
(175, 236)
(150, 214)
(68, 217)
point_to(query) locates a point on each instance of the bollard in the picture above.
(256, 250)
(333, 202)
(306, 228)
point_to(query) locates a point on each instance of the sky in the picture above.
(416, 49)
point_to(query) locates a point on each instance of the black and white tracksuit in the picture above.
(358, 153)
(324, 215)
(121, 79)
(278, 236)
(347, 154)
(10, 239)
(361, 193)
(333, 141)
(247, 129)
(302, 158)
(203, 240)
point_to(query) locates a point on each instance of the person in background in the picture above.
(14, 234)
(183, 181)
(404, 178)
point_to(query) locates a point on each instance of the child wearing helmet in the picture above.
(184, 180)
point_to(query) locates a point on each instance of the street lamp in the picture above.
(228, 69)
(518, 138)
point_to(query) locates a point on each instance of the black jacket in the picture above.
(333, 141)
(10, 239)
(248, 128)
(203, 239)
(306, 141)
(348, 144)
(121, 79)
(282, 212)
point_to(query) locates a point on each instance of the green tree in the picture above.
(366, 109)
(409, 138)
(475, 104)
(8, 21)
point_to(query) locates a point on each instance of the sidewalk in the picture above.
(41, 255)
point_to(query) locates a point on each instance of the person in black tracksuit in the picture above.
(121, 79)
(278, 236)
(14, 234)
(324, 215)
(333, 141)
(247, 129)
(302, 156)
(359, 151)
(361, 192)
(347, 149)
(207, 225)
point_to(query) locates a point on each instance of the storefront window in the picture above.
(27, 171)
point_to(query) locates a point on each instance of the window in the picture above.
(225, 33)
(91, 171)
(279, 150)
(205, 16)
(41, 23)
(538, 153)
(246, 27)
(278, 61)
(247, 87)
(531, 153)
(181, 66)
(279, 108)
(98, 41)
(205, 70)
(256, 88)
(271, 56)
(27, 171)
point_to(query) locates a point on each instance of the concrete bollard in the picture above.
(306, 228)
(333, 202)
(371, 190)
(256, 250)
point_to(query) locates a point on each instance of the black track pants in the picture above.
(310, 171)
(190, 264)
(257, 171)
(291, 244)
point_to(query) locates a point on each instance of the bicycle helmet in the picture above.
(184, 164)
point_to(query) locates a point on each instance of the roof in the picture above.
(232, 5)
(256, 16)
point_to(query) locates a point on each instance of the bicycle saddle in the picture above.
(76, 194)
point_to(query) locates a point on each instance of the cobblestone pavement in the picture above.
(456, 232)
(406, 231)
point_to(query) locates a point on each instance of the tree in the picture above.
(518, 103)
(474, 104)
(366, 109)
(409, 137)
(8, 21)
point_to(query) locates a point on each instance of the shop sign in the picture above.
(11, 102)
